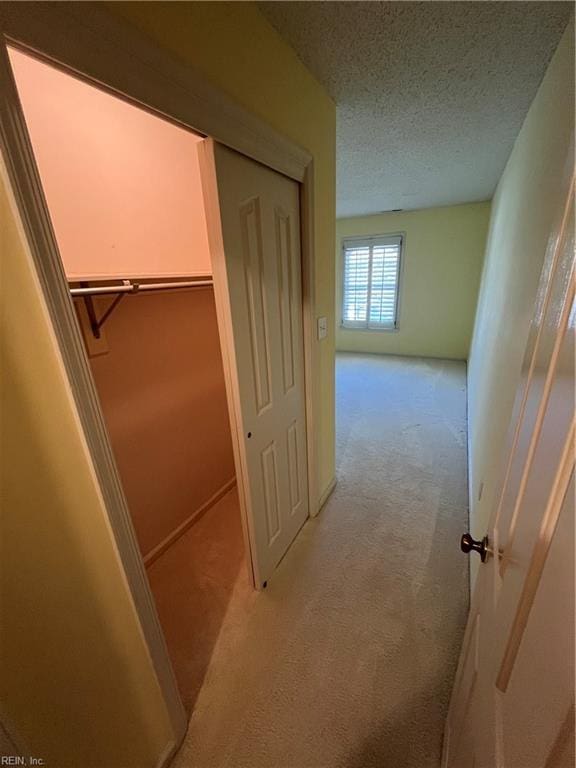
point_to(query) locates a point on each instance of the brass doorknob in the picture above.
(468, 544)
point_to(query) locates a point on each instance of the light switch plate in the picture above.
(322, 328)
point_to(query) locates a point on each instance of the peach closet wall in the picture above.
(123, 189)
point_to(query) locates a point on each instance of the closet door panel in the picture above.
(255, 245)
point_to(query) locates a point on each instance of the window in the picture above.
(371, 278)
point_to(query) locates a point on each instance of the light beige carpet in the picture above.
(347, 659)
(192, 583)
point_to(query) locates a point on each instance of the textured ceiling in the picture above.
(430, 96)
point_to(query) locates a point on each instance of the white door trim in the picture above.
(87, 39)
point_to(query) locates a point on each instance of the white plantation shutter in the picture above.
(371, 276)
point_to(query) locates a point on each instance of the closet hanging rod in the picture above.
(127, 286)
(133, 287)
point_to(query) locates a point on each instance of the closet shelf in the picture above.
(127, 286)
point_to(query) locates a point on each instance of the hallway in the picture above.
(347, 659)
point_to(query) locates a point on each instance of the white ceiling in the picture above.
(430, 96)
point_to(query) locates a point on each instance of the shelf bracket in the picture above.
(95, 323)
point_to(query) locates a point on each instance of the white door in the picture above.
(254, 231)
(513, 700)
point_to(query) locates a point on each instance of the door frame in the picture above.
(104, 50)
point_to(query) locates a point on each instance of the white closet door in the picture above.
(254, 231)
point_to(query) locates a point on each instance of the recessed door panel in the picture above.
(293, 468)
(271, 499)
(254, 280)
(285, 259)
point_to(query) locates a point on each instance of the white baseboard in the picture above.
(326, 494)
(159, 549)
(168, 754)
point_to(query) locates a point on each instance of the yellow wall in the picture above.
(236, 49)
(76, 684)
(441, 268)
(524, 206)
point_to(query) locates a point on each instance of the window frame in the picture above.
(370, 240)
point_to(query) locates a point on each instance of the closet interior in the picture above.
(124, 194)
